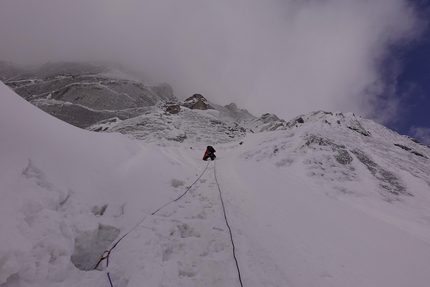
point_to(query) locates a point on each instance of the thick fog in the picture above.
(286, 57)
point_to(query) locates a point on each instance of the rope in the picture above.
(229, 229)
(184, 192)
(107, 253)
(103, 257)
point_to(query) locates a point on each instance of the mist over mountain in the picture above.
(322, 199)
(84, 93)
(102, 97)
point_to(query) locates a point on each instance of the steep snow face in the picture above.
(59, 184)
(40, 176)
(189, 126)
(265, 123)
(354, 160)
(315, 234)
(331, 200)
(172, 122)
(337, 147)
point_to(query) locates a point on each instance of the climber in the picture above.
(209, 153)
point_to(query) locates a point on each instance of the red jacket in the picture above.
(207, 152)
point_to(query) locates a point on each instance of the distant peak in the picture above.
(269, 117)
(232, 107)
(195, 98)
(198, 102)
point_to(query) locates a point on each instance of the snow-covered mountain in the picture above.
(325, 199)
(84, 93)
(191, 121)
(104, 98)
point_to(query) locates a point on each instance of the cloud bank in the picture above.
(285, 57)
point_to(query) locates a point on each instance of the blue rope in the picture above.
(229, 229)
(122, 237)
(183, 193)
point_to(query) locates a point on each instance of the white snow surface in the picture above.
(303, 207)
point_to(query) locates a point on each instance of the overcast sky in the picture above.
(287, 57)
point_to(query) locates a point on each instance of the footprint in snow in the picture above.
(186, 231)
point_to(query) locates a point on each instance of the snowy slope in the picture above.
(187, 126)
(332, 200)
(56, 181)
(215, 125)
(327, 224)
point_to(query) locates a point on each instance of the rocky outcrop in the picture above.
(173, 109)
(200, 105)
(410, 150)
(197, 102)
(388, 180)
(195, 98)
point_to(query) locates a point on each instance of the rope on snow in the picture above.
(229, 229)
(107, 253)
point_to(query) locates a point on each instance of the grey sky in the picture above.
(285, 57)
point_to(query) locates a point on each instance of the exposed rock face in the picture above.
(266, 118)
(342, 155)
(200, 105)
(411, 150)
(84, 93)
(195, 98)
(76, 115)
(97, 87)
(173, 109)
(197, 102)
(389, 181)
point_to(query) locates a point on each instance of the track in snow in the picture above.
(186, 243)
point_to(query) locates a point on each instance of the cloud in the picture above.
(285, 57)
(421, 133)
